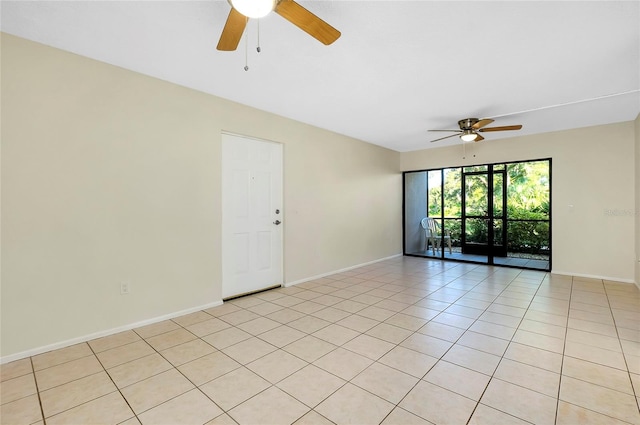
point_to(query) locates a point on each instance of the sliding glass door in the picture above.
(475, 214)
(484, 211)
(493, 213)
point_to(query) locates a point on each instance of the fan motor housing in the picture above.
(467, 123)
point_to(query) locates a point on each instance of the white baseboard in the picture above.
(85, 338)
(307, 279)
(591, 276)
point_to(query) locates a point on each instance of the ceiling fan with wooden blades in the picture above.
(470, 127)
(243, 10)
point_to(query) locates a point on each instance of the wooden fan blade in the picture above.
(478, 138)
(503, 128)
(446, 137)
(232, 32)
(307, 21)
(482, 123)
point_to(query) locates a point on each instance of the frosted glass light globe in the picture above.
(468, 136)
(253, 8)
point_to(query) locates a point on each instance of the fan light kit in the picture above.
(470, 127)
(253, 8)
(468, 136)
(242, 10)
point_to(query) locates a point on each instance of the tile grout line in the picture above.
(467, 291)
(35, 380)
(68, 382)
(111, 379)
(308, 363)
(633, 389)
(539, 285)
(397, 405)
(271, 385)
(564, 347)
(342, 346)
(453, 342)
(224, 412)
(510, 341)
(149, 377)
(588, 361)
(93, 354)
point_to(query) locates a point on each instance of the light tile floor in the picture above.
(404, 341)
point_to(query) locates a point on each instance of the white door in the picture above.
(251, 215)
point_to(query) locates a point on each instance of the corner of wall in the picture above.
(637, 196)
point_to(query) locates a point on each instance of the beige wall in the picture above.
(593, 170)
(109, 175)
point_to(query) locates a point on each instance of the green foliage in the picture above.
(434, 201)
(453, 191)
(454, 227)
(477, 231)
(528, 236)
(528, 190)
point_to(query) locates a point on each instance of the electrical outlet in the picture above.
(125, 287)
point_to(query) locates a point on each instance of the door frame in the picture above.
(490, 249)
(224, 220)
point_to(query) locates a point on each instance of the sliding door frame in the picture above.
(490, 171)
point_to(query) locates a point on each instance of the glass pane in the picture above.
(476, 231)
(476, 195)
(498, 229)
(498, 167)
(454, 227)
(528, 237)
(528, 190)
(415, 209)
(452, 192)
(498, 196)
(434, 194)
(475, 168)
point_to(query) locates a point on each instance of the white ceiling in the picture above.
(399, 69)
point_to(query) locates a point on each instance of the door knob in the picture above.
(277, 222)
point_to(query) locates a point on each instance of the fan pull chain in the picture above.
(246, 46)
(246, 51)
(258, 48)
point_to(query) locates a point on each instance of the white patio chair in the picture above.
(433, 234)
